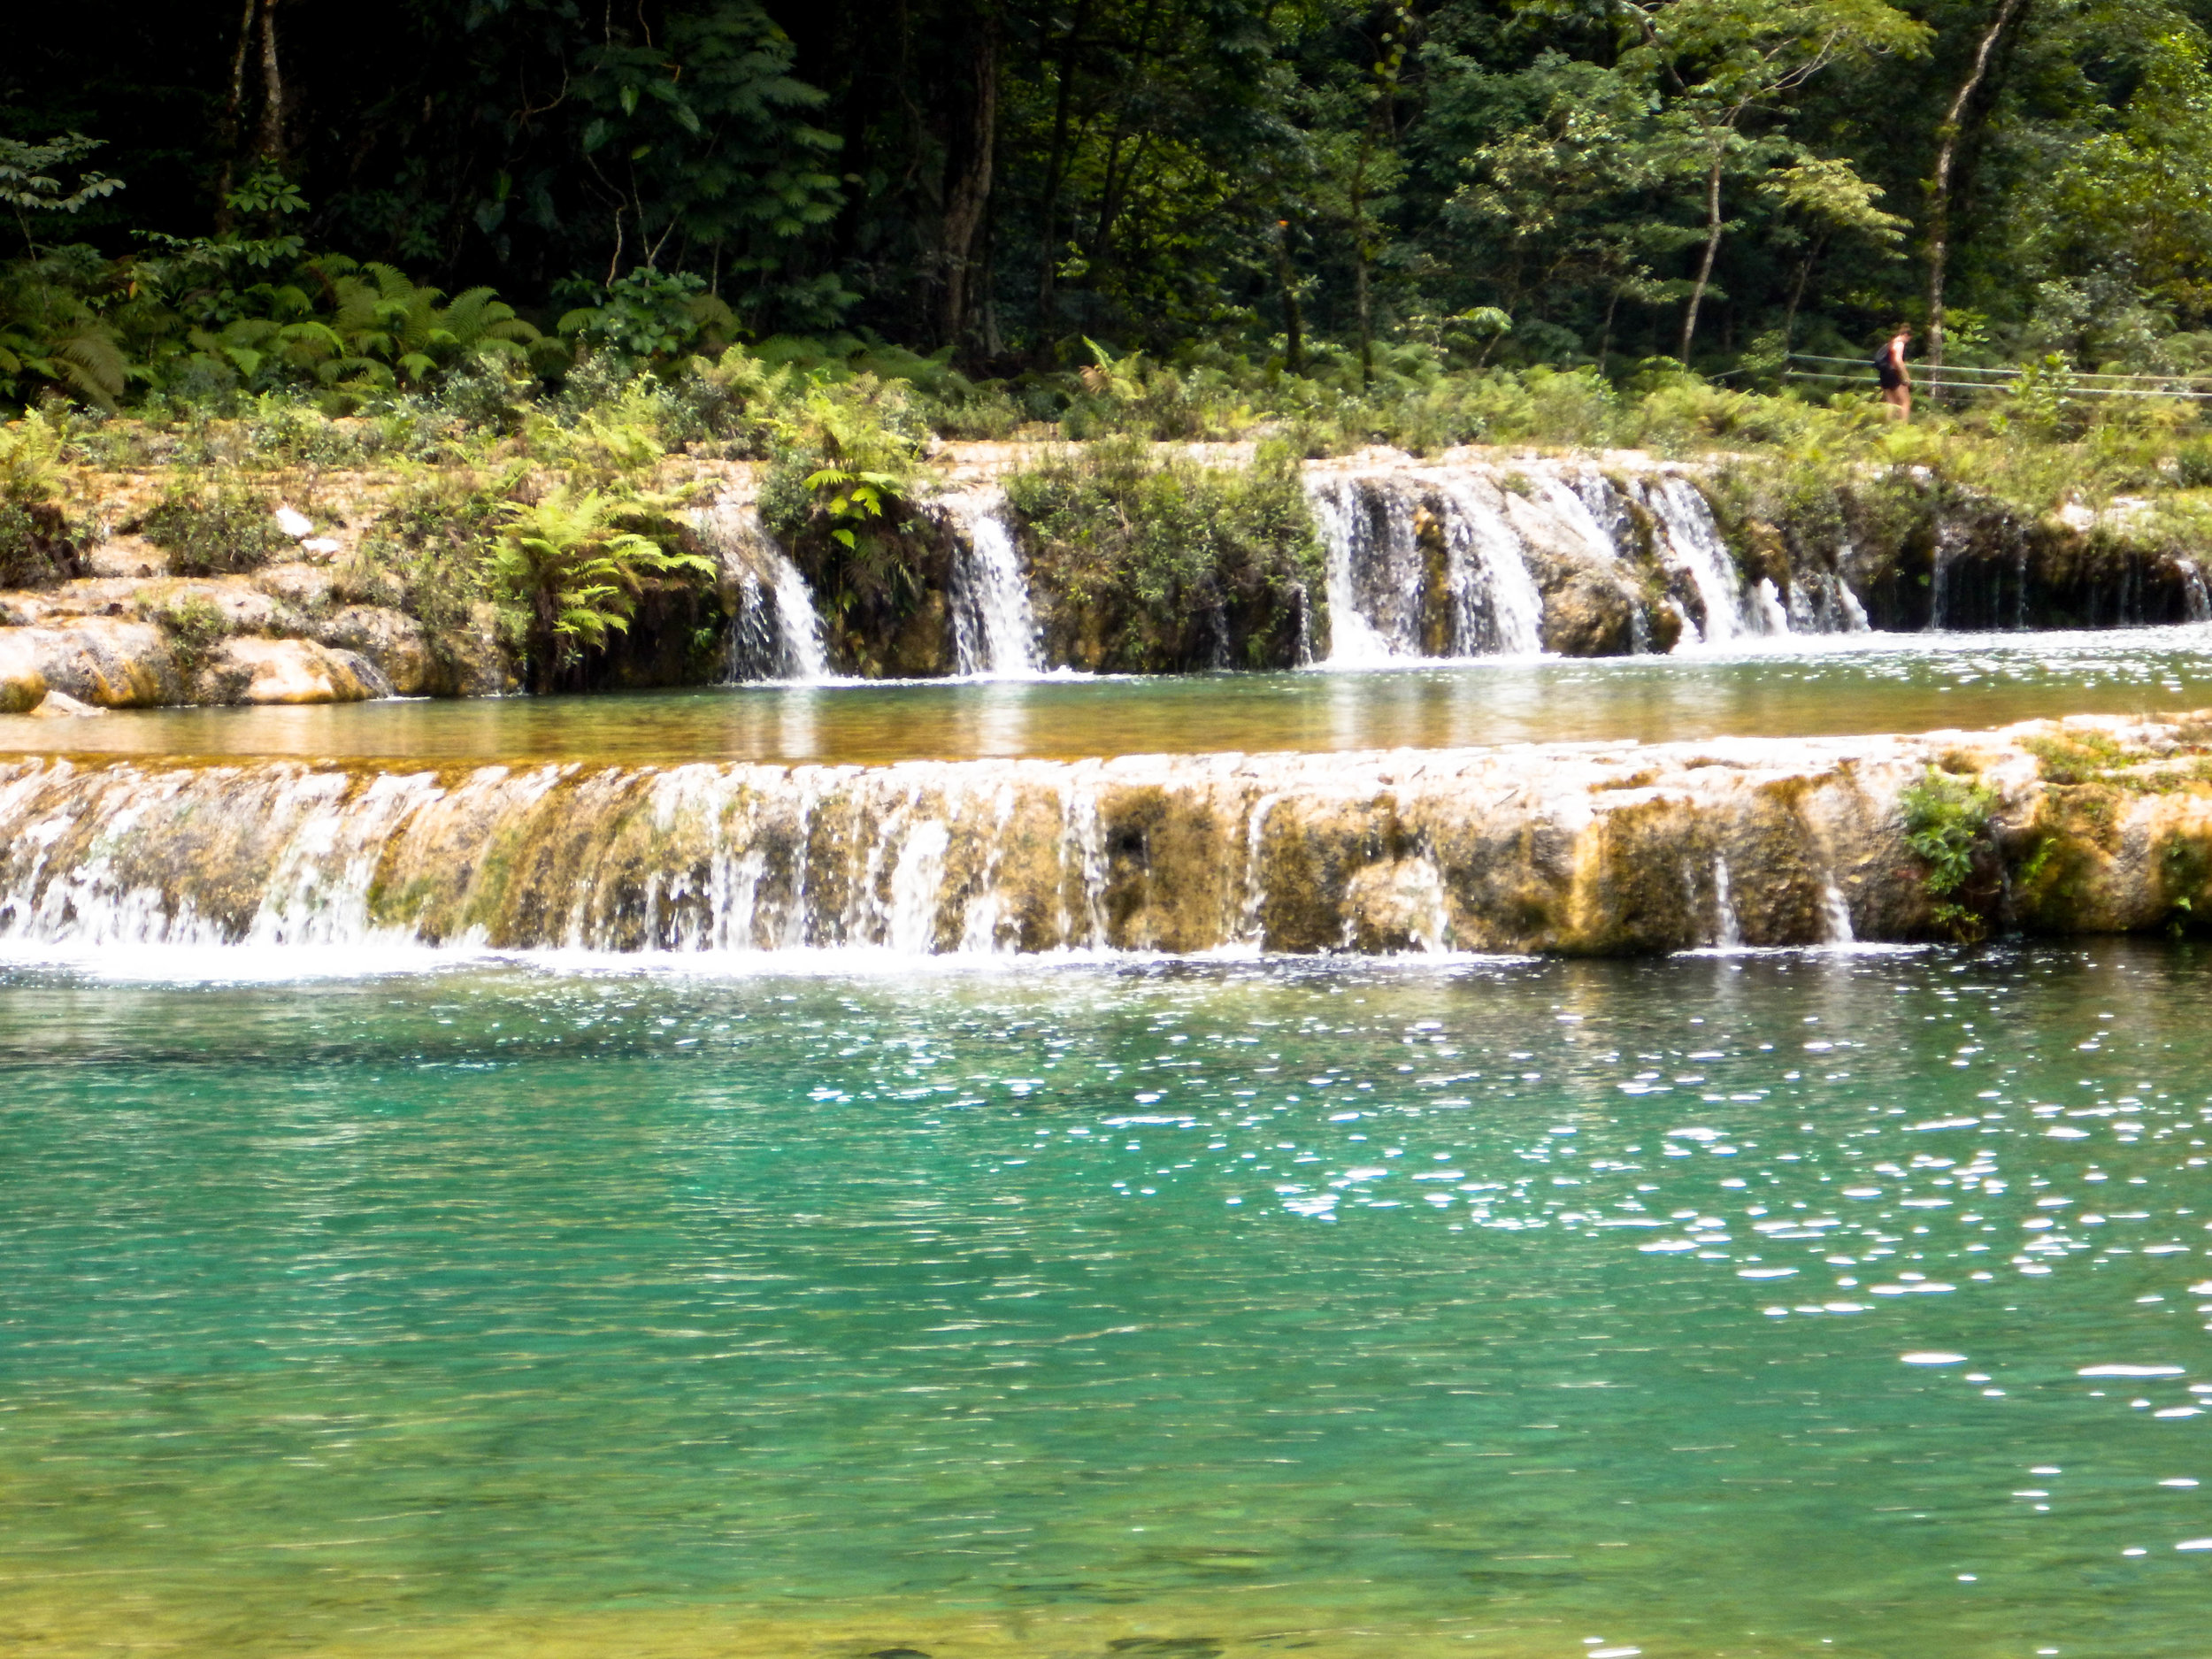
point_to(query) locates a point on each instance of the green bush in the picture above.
(36, 549)
(1947, 826)
(216, 532)
(196, 627)
(1145, 567)
(576, 564)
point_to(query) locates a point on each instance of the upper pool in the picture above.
(1809, 687)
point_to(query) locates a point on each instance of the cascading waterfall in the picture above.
(1693, 549)
(1534, 847)
(1427, 561)
(1500, 610)
(2197, 601)
(1423, 563)
(775, 632)
(1368, 544)
(994, 629)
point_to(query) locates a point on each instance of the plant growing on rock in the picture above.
(577, 565)
(35, 546)
(218, 532)
(1144, 567)
(36, 549)
(196, 627)
(1947, 825)
(847, 460)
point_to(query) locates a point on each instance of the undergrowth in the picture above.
(1152, 567)
(1947, 826)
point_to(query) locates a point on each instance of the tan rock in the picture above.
(127, 556)
(256, 671)
(112, 662)
(59, 705)
(22, 683)
(398, 645)
(243, 607)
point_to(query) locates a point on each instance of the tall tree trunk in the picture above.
(1705, 265)
(1362, 298)
(968, 183)
(234, 110)
(1939, 185)
(1056, 173)
(1294, 320)
(853, 39)
(269, 139)
(1797, 294)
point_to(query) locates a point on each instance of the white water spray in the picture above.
(994, 629)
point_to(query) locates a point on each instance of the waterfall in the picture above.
(1501, 611)
(1727, 931)
(1423, 563)
(1836, 912)
(775, 632)
(1366, 574)
(1824, 603)
(1532, 848)
(1694, 549)
(995, 631)
(1455, 560)
(2197, 602)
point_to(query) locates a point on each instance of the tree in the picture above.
(2009, 15)
(36, 179)
(1725, 64)
(1562, 162)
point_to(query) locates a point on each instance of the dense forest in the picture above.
(201, 191)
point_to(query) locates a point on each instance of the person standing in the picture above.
(1895, 378)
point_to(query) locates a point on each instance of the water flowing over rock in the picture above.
(775, 632)
(1599, 848)
(993, 627)
(1463, 558)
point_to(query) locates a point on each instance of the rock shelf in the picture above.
(2089, 824)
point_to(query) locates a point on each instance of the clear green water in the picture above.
(1167, 1309)
(1798, 687)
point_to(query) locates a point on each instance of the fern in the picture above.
(572, 563)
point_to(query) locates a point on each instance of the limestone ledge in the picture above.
(1605, 849)
(279, 635)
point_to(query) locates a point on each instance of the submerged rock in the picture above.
(1594, 849)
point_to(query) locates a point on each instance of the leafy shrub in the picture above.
(1147, 568)
(30, 456)
(576, 564)
(195, 627)
(218, 532)
(35, 546)
(430, 553)
(283, 430)
(650, 315)
(1947, 825)
(846, 456)
(1947, 820)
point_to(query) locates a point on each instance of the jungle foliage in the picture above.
(214, 201)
